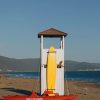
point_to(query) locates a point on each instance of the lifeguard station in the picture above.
(59, 83)
(52, 71)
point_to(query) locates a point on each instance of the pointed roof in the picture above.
(52, 33)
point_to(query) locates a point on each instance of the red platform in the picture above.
(34, 96)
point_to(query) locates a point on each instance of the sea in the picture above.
(88, 76)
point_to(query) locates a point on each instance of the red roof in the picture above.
(52, 33)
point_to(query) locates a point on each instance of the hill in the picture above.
(12, 64)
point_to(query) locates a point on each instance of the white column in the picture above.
(41, 49)
(41, 66)
(63, 66)
(63, 48)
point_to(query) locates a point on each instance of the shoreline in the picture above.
(87, 76)
(37, 77)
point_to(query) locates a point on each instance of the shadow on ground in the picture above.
(21, 91)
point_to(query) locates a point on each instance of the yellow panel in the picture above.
(51, 69)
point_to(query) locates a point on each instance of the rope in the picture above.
(35, 82)
(67, 86)
(39, 77)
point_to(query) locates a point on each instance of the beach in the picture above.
(24, 86)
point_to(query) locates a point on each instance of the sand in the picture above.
(21, 86)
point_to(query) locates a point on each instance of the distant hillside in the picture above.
(19, 64)
(11, 64)
(79, 66)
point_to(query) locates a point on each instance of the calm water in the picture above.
(90, 76)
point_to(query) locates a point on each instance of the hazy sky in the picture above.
(21, 20)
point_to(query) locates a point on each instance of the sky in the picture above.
(22, 20)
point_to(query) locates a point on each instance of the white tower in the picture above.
(60, 60)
